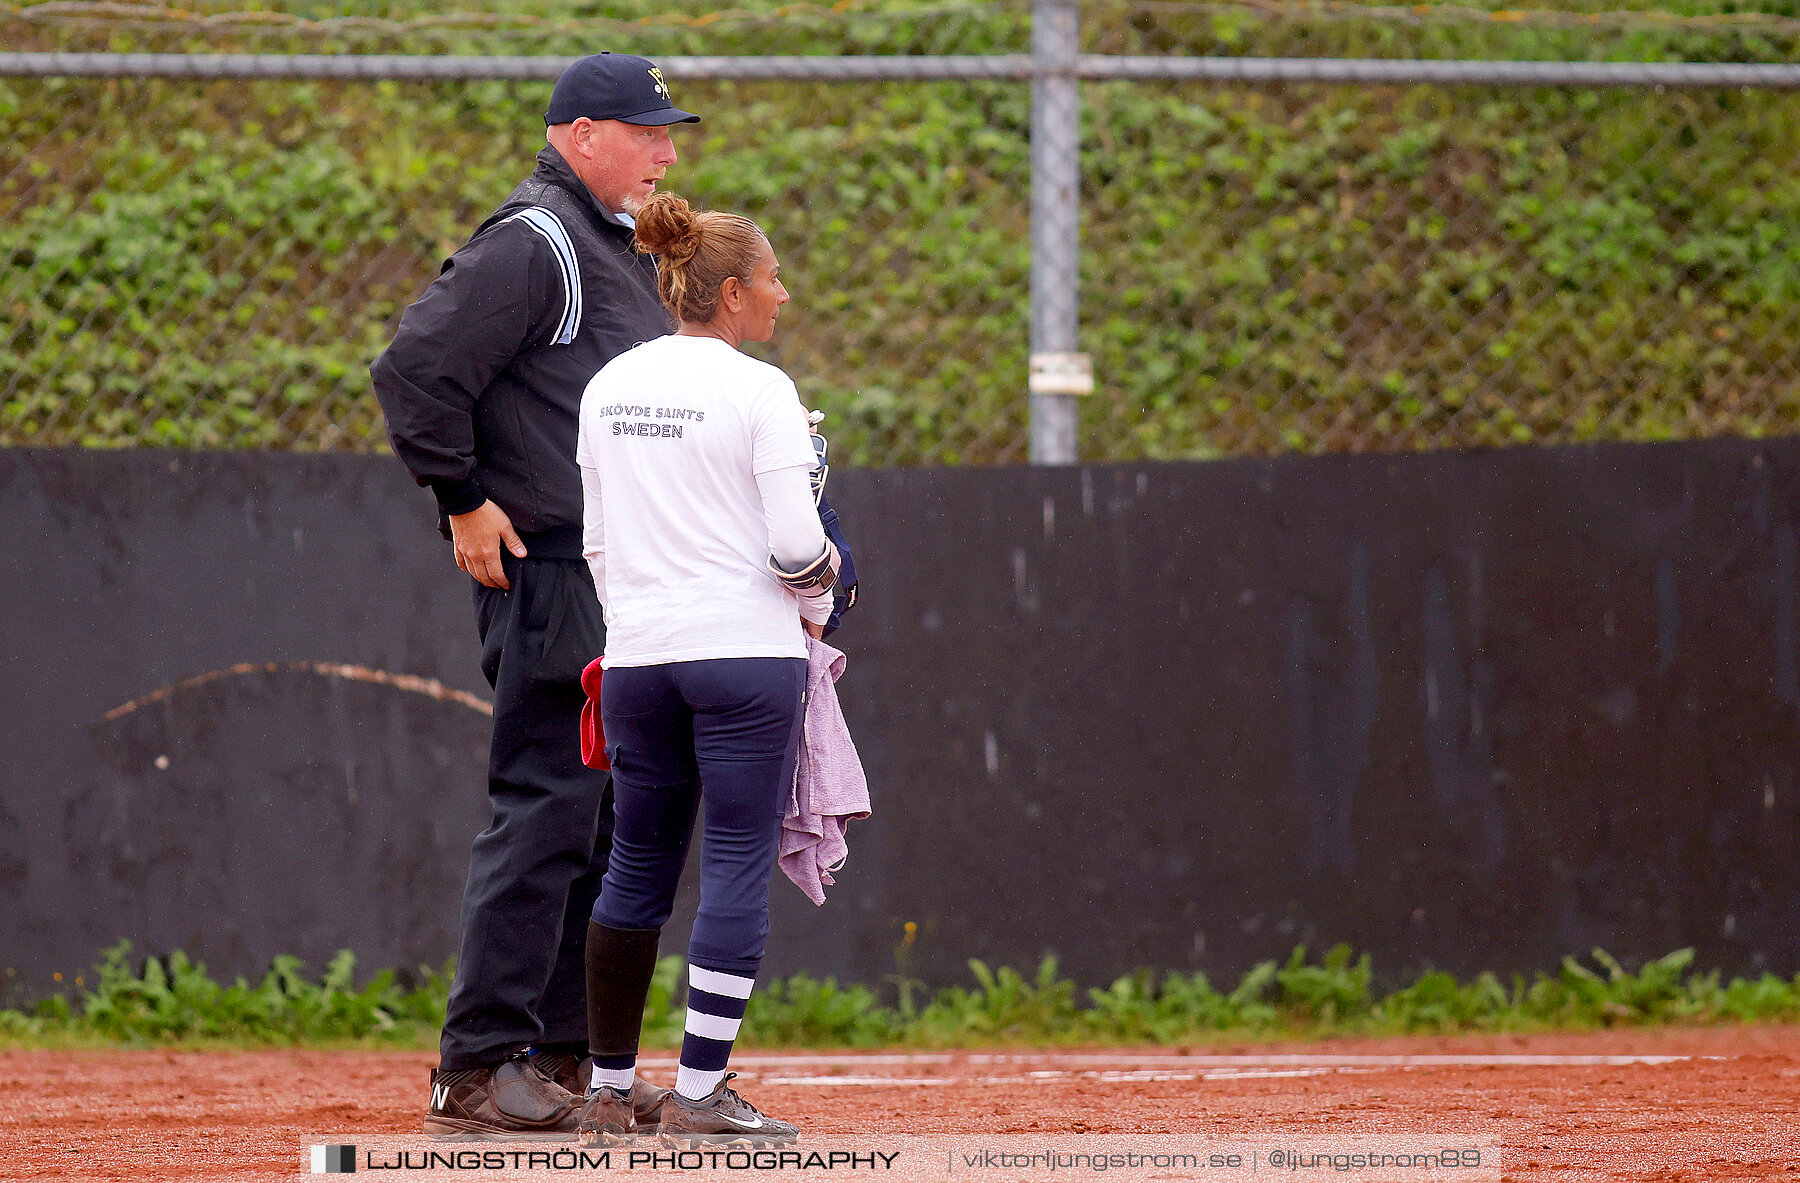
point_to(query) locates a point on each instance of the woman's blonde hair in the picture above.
(697, 250)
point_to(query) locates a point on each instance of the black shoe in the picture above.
(614, 1118)
(646, 1106)
(510, 1102)
(723, 1119)
(607, 1119)
(573, 1072)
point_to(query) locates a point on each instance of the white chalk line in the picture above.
(1041, 1077)
(1131, 1063)
(1128, 1069)
(865, 1081)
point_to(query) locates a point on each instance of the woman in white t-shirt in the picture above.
(709, 559)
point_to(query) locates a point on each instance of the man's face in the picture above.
(623, 162)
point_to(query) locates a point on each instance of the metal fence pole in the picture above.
(1059, 374)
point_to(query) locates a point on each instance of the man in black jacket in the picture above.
(482, 388)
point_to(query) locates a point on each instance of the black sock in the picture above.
(620, 964)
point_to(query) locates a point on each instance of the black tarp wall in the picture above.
(1462, 710)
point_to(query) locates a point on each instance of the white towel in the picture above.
(829, 786)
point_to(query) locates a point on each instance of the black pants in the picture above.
(535, 873)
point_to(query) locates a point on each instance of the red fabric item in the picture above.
(593, 732)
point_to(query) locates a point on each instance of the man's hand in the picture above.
(814, 630)
(478, 536)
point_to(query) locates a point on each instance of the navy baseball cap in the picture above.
(614, 86)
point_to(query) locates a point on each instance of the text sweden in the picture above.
(640, 421)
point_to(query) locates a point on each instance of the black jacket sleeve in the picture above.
(844, 598)
(500, 294)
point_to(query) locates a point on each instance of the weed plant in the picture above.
(171, 999)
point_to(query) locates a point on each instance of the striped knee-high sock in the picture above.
(716, 1003)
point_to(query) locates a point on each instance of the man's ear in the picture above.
(583, 132)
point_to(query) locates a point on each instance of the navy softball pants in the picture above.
(718, 736)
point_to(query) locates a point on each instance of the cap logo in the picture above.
(662, 88)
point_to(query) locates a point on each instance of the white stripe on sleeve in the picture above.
(551, 228)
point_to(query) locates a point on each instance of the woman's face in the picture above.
(762, 299)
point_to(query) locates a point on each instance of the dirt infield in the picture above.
(1635, 1105)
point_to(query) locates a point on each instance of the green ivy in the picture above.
(1304, 267)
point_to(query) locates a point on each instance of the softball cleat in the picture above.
(722, 1119)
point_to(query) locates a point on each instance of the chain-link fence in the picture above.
(1304, 267)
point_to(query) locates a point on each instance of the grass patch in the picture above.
(164, 1000)
(161, 1001)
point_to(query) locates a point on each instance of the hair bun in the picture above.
(697, 251)
(666, 226)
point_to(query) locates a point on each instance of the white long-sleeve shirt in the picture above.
(694, 461)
